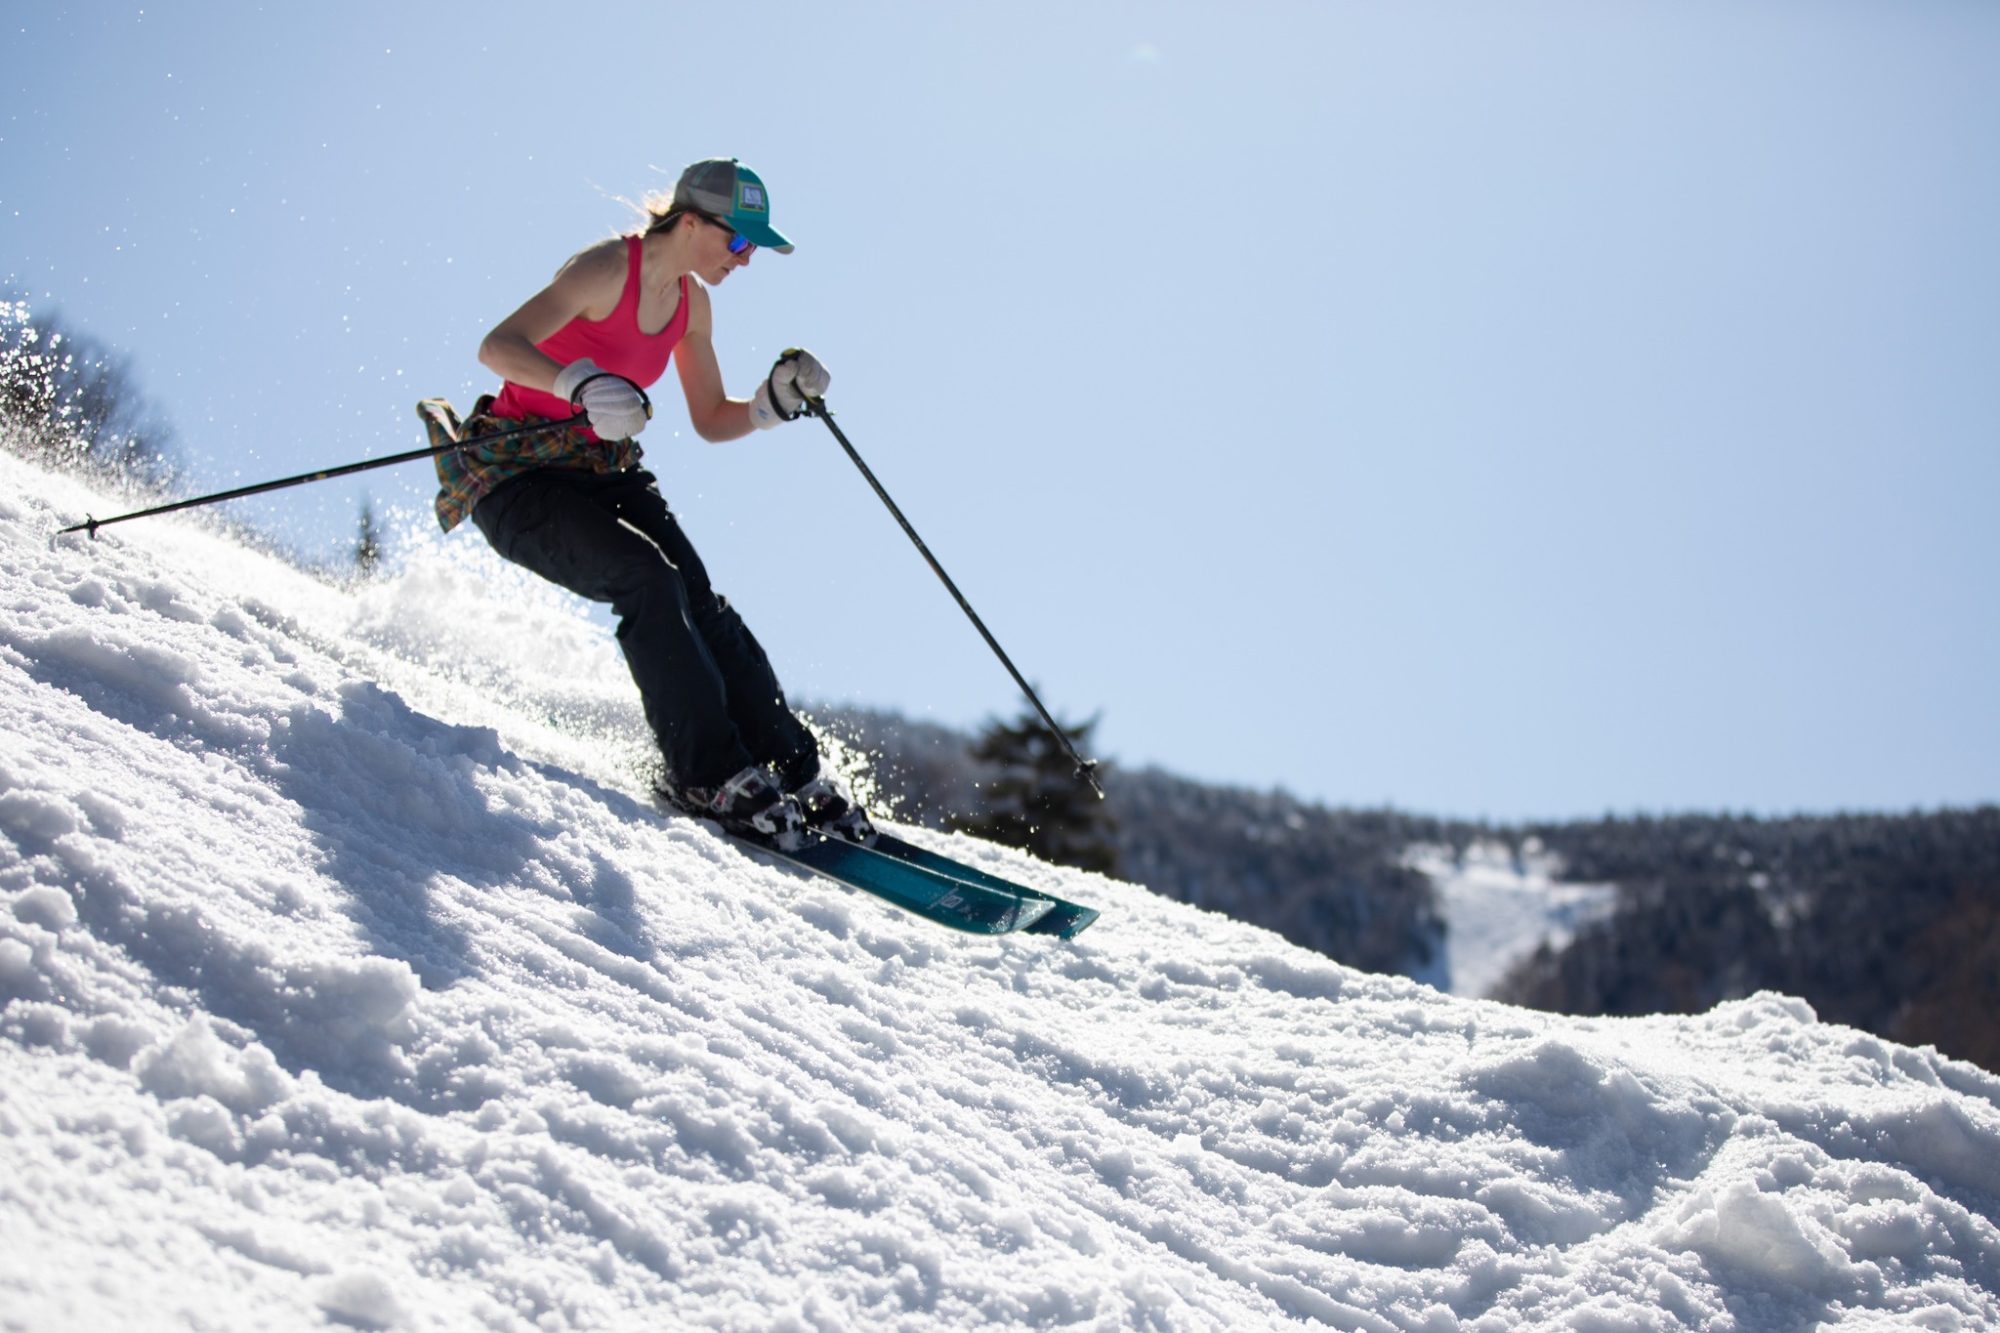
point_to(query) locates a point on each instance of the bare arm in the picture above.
(588, 285)
(716, 416)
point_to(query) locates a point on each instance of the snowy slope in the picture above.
(350, 980)
(1499, 906)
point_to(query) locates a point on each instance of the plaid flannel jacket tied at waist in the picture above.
(466, 475)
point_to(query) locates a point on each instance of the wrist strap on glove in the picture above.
(576, 397)
(771, 387)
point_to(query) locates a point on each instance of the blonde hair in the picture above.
(658, 212)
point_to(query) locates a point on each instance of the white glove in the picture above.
(782, 396)
(617, 409)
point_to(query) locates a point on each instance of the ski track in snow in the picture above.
(351, 981)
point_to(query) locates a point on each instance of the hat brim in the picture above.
(762, 235)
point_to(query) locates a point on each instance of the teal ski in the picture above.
(1062, 919)
(995, 908)
(926, 883)
(971, 907)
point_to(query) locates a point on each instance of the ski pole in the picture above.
(91, 525)
(1086, 769)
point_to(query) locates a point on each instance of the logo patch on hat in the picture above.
(750, 198)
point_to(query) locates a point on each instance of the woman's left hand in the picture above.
(795, 377)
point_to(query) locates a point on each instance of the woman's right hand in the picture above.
(617, 408)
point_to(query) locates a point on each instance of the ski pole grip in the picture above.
(576, 397)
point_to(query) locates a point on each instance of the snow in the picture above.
(1500, 904)
(351, 981)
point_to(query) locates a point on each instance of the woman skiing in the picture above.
(573, 504)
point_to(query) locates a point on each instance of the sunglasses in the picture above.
(739, 244)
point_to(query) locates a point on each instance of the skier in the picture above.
(573, 504)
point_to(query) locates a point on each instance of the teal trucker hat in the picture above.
(730, 192)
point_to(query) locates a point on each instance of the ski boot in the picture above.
(749, 805)
(828, 808)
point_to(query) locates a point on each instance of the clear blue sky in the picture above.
(1514, 410)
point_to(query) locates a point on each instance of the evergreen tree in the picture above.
(1032, 798)
(368, 549)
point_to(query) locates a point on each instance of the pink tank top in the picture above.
(615, 343)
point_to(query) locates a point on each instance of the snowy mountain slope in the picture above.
(349, 979)
(1499, 907)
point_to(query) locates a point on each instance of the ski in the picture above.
(993, 907)
(1064, 920)
(922, 882)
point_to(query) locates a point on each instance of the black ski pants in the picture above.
(709, 692)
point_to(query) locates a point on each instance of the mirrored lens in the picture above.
(738, 242)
